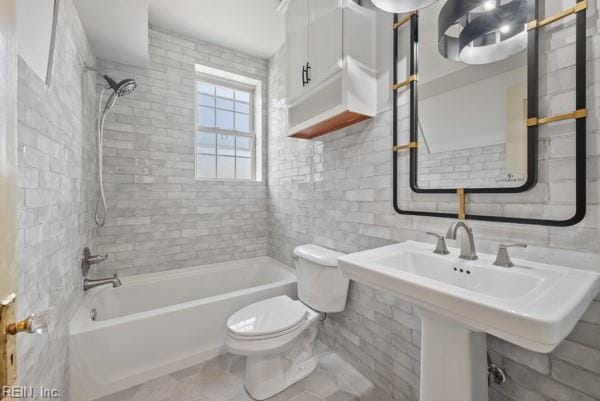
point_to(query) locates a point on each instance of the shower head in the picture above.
(123, 88)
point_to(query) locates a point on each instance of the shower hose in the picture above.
(100, 218)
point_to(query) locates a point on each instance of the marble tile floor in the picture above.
(222, 379)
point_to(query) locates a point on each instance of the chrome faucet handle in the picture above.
(503, 258)
(94, 259)
(440, 247)
(89, 260)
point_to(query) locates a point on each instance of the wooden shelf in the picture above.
(337, 122)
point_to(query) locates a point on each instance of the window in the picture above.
(225, 132)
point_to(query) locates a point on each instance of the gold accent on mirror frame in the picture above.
(8, 343)
(577, 114)
(404, 20)
(462, 214)
(535, 24)
(402, 84)
(400, 148)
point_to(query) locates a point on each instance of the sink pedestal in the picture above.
(453, 360)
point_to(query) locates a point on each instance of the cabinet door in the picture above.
(296, 47)
(326, 41)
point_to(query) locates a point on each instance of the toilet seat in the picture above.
(270, 318)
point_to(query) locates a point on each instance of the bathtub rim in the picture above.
(82, 322)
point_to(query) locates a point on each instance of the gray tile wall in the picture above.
(159, 216)
(483, 166)
(336, 192)
(56, 181)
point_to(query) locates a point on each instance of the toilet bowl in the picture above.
(277, 334)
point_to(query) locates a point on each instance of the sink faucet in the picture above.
(88, 284)
(467, 244)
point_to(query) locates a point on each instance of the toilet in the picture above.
(277, 334)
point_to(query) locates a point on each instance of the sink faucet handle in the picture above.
(440, 247)
(503, 258)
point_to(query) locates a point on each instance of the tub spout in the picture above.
(88, 284)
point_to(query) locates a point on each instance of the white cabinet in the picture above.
(325, 56)
(297, 22)
(331, 79)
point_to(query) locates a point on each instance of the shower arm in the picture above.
(87, 68)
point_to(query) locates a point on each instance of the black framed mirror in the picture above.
(475, 51)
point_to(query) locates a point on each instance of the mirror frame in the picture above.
(533, 121)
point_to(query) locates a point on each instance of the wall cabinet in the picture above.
(331, 79)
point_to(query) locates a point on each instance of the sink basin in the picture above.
(477, 277)
(532, 305)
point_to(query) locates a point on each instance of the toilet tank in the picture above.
(321, 285)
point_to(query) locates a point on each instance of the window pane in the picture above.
(243, 168)
(206, 116)
(206, 100)
(225, 92)
(242, 122)
(206, 143)
(206, 88)
(206, 166)
(226, 167)
(242, 107)
(225, 119)
(243, 146)
(226, 145)
(225, 104)
(243, 96)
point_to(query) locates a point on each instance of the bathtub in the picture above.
(155, 324)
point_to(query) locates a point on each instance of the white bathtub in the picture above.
(158, 323)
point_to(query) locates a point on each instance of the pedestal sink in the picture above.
(532, 305)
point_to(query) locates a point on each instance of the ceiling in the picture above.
(107, 22)
(251, 26)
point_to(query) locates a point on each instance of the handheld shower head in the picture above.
(123, 88)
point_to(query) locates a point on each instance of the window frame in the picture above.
(252, 134)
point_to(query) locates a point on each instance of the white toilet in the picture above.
(277, 334)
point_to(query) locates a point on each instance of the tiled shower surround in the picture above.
(159, 215)
(57, 184)
(336, 191)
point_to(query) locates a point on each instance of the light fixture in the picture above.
(401, 6)
(489, 5)
(505, 28)
(485, 35)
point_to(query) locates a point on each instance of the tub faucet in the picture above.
(467, 245)
(88, 284)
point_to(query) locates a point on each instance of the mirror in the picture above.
(472, 94)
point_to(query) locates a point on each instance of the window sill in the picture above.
(228, 180)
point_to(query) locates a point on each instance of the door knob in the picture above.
(33, 324)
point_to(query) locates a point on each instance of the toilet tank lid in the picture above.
(318, 254)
